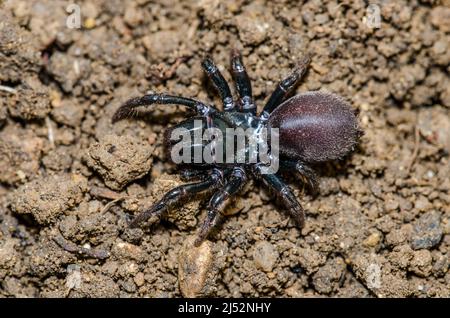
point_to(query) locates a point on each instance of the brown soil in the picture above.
(379, 226)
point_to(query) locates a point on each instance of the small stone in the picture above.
(129, 286)
(422, 204)
(391, 204)
(196, 269)
(89, 23)
(372, 240)
(252, 30)
(139, 279)
(446, 225)
(91, 10)
(427, 231)
(271, 275)
(124, 250)
(3, 114)
(265, 256)
(55, 98)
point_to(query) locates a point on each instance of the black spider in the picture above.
(313, 127)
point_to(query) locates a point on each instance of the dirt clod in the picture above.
(68, 114)
(47, 198)
(327, 278)
(421, 263)
(120, 159)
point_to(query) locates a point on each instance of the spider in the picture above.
(312, 127)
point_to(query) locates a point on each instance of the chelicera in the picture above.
(313, 127)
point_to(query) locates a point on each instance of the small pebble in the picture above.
(252, 30)
(427, 231)
(372, 240)
(196, 269)
(139, 279)
(265, 256)
(89, 23)
(422, 204)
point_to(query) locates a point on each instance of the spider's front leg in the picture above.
(216, 204)
(219, 82)
(243, 84)
(131, 107)
(176, 195)
(285, 193)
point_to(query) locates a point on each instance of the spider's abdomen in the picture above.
(315, 127)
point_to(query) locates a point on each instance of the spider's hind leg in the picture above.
(176, 195)
(285, 193)
(189, 174)
(285, 86)
(308, 174)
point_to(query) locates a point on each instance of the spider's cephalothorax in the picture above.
(312, 127)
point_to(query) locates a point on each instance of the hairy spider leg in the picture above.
(285, 86)
(304, 170)
(285, 193)
(217, 202)
(219, 82)
(129, 108)
(176, 195)
(243, 84)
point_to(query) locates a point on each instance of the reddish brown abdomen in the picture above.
(315, 127)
